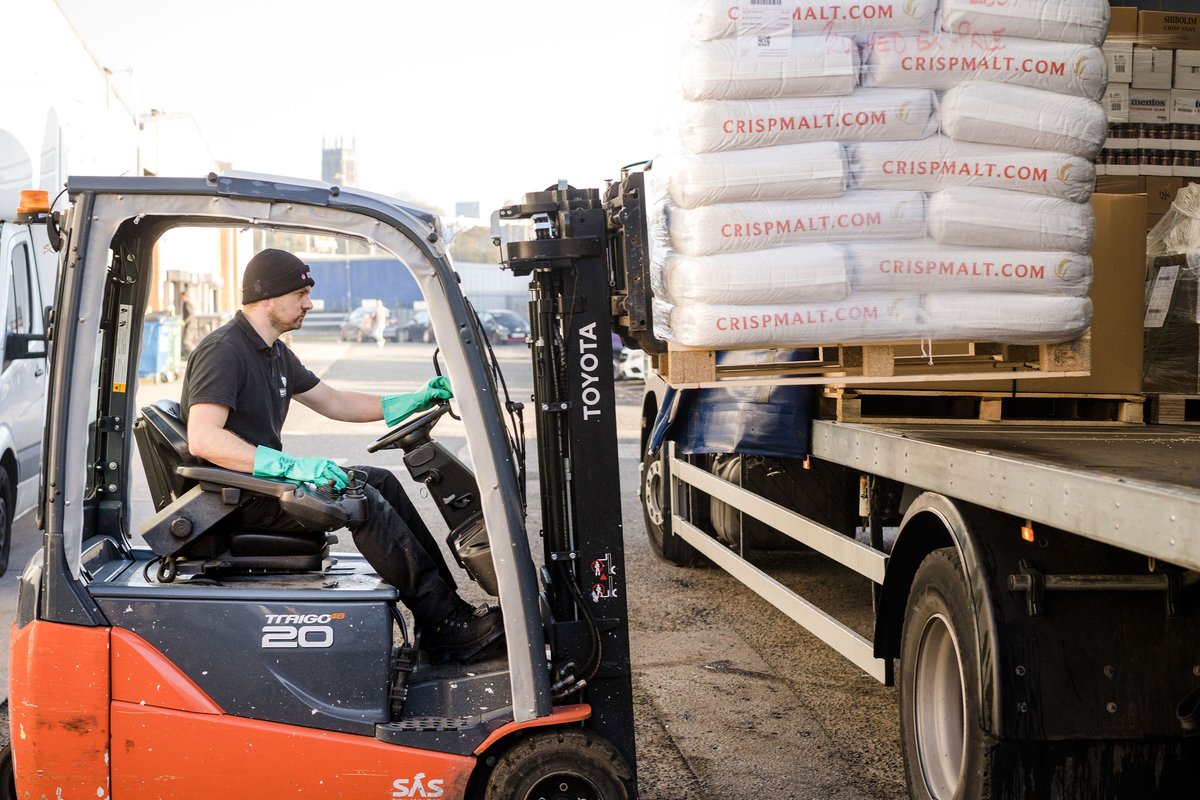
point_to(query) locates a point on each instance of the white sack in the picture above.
(806, 274)
(1014, 220)
(998, 113)
(720, 19)
(924, 266)
(939, 162)
(858, 318)
(944, 61)
(814, 65)
(1006, 318)
(787, 172)
(865, 115)
(732, 227)
(1080, 21)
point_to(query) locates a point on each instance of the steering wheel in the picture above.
(416, 428)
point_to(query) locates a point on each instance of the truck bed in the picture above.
(1137, 488)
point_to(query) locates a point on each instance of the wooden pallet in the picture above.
(883, 363)
(981, 408)
(1173, 409)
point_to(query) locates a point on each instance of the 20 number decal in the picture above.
(289, 636)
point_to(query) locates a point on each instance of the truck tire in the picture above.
(947, 755)
(7, 503)
(8, 784)
(656, 509)
(564, 763)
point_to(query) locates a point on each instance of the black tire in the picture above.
(8, 783)
(656, 510)
(947, 755)
(8, 500)
(565, 763)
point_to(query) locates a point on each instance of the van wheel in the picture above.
(947, 755)
(656, 509)
(7, 504)
(569, 764)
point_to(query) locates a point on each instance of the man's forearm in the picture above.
(225, 449)
(359, 407)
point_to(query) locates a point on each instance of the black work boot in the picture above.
(465, 634)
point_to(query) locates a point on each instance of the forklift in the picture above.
(221, 662)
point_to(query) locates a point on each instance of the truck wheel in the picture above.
(569, 764)
(7, 503)
(8, 784)
(946, 753)
(656, 508)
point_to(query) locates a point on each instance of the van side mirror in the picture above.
(24, 345)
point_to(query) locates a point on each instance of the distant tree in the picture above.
(474, 245)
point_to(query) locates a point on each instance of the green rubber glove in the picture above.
(270, 463)
(398, 407)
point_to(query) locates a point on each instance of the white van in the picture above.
(27, 255)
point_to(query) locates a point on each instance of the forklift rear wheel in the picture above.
(8, 784)
(561, 764)
(656, 509)
(946, 752)
(6, 519)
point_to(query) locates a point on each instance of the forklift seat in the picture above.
(194, 502)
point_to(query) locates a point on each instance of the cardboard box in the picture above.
(1150, 106)
(1116, 102)
(1124, 22)
(1187, 69)
(1185, 107)
(1118, 307)
(1160, 193)
(1169, 29)
(1121, 184)
(1153, 68)
(1119, 57)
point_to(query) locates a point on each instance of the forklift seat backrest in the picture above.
(162, 441)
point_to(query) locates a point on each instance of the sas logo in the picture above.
(417, 787)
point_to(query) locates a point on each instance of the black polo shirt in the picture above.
(234, 367)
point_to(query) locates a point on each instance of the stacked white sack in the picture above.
(942, 62)
(1079, 21)
(938, 162)
(997, 113)
(927, 267)
(1008, 318)
(1011, 220)
(858, 318)
(864, 115)
(720, 19)
(813, 65)
(807, 274)
(787, 172)
(734, 227)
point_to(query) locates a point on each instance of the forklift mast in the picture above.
(571, 287)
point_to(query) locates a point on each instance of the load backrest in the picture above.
(162, 441)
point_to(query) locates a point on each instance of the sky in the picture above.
(446, 101)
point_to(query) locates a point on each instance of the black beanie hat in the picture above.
(272, 273)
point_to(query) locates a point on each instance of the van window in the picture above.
(18, 315)
(20, 301)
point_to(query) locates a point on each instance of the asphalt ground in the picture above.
(733, 701)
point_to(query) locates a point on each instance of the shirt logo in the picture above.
(283, 385)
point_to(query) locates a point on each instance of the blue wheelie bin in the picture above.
(160, 348)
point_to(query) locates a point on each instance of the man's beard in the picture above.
(285, 324)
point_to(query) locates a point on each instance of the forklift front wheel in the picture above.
(563, 763)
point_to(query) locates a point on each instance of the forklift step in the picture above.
(458, 735)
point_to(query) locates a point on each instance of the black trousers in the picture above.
(394, 539)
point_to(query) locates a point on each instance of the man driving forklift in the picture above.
(239, 383)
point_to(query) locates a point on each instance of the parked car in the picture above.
(503, 326)
(416, 329)
(356, 327)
